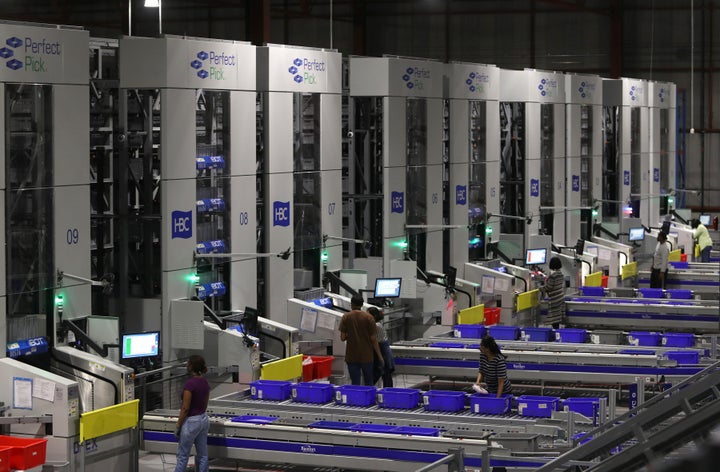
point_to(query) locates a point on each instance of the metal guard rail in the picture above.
(697, 398)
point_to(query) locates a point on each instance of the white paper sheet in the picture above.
(22, 393)
(326, 321)
(308, 320)
(44, 389)
(488, 284)
(501, 284)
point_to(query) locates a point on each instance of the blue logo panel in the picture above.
(626, 177)
(534, 187)
(397, 202)
(460, 194)
(281, 213)
(575, 183)
(13, 42)
(656, 174)
(181, 224)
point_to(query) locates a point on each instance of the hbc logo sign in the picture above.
(397, 203)
(281, 213)
(460, 194)
(626, 177)
(575, 183)
(181, 224)
(534, 188)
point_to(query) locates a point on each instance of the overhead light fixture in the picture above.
(152, 3)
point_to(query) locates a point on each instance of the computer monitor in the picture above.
(580, 246)
(387, 288)
(535, 256)
(665, 227)
(140, 345)
(636, 234)
(250, 320)
(450, 276)
(705, 219)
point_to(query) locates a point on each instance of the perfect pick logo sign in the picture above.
(43, 55)
(31, 54)
(213, 65)
(305, 70)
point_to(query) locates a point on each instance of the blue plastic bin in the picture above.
(506, 333)
(443, 400)
(270, 390)
(473, 331)
(587, 407)
(644, 338)
(651, 292)
(401, 398)
(537, 334)
(253, 419)
(490, 404)
(373, 428)
(683, 357)
(570, 335)
(332, 425)
(593, 291)
(637, 352)
(355, 395)
(309, 392)
(678, 340)
(577, 436)
(680, 293)
(416, 431)
(680, 265)
(448, 345)
(534, 405)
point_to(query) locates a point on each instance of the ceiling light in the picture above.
(152, 3)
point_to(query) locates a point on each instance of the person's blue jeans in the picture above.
(194, 431)
(359, 372)
(705, 254)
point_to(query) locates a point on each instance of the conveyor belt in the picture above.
(549, 366)
(344, 450)
(646, 313)
(239, 403)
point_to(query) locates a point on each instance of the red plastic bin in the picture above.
(5, 458)
(492, 316)
(319, 368)
(25, 453)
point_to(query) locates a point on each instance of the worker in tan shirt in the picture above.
(357, 329)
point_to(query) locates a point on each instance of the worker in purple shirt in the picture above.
(193, 423)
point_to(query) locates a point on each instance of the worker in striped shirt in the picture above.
(492, 368)
(554, 289)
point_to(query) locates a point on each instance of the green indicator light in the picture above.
(324, 256)
(193, 278)
(671, 200)
(488, 230)
(401, 244)
(474, 241)
(58, 299)
(594, 212)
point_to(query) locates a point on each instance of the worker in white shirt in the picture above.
(660, 262)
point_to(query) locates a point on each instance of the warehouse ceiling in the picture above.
(110, 18)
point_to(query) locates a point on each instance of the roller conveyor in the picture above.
(650, 314)
(590, 367)
(289, 439)
(703, 279)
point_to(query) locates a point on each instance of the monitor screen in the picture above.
(387, 288)
(705, 220)
(665, 228)
(636, 234)
(140, 345)
(450, 276)
(580, 246)
(592, 250)
(535, 256)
